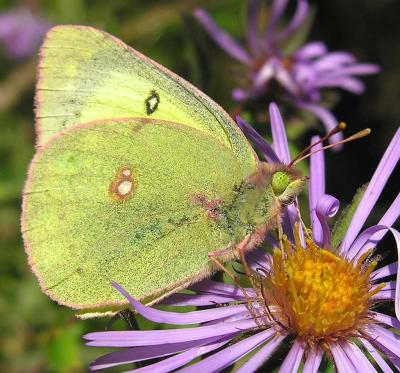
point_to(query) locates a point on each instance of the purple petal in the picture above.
(279, 138)
(177, 361)
(285, 79)
(310, 51)
(386, 319)
(359, 69)
(390, 285)
(316, 187)
(388, 292)
(214, 287)
(305, 77)
(326, 117)
(274, 69)
(355, 251)
(277, 9)
(223, 39)
(197, 300)
(387, 270)
(333, 60)
(376, 356)
(236, 317)
(134, 338)
(298, 18)
(131, 355)
(259, 259)
(293, 358)
(258, 359)
(239, 94)
(265, 149)
(342, 362)
(386, 338)
(387, 353)
(397, 300)
(289, 217)
(350, 84)
(327, 207)
(384, 295)
(179, 318)
(265, 73)
(229, 355)
(357, 358)
(388, 219)
(252, 37)
(374, 189)
(313, 360)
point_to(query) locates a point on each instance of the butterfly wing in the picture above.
(86, 74)
(126, 201)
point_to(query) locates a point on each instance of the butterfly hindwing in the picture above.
(124, 200)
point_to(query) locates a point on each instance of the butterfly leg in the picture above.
(280, 237)
(306, 231)
(223, 252)
(234, 278)
(241, 250)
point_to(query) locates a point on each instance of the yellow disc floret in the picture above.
(318, 294)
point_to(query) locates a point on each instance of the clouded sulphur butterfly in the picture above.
(138, 176)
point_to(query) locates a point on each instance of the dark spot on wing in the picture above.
(152, 102)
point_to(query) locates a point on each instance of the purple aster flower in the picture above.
(21, 32)
(301, 75)
(320, 299)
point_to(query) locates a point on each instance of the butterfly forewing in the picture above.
(86, 74)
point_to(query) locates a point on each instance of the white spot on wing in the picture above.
(124, 187)
(153, 102)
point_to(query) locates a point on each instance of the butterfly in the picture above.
(138, 176)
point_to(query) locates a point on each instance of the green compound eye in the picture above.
(280, 181)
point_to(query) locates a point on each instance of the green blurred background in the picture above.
(36, 335)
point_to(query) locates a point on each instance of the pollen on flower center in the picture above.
(318, 294)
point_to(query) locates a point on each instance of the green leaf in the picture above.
(343, 222)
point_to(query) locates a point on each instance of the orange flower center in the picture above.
(318, 294)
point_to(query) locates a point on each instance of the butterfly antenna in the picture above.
(339, 128)
(356, 136)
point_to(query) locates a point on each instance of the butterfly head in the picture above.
(287, 184)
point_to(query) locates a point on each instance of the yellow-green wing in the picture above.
(126, 201)
(86, 74)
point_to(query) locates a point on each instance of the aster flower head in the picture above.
(21, 32)
(301, 75)
(319, 299)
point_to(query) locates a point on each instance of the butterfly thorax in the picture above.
(254, 205)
